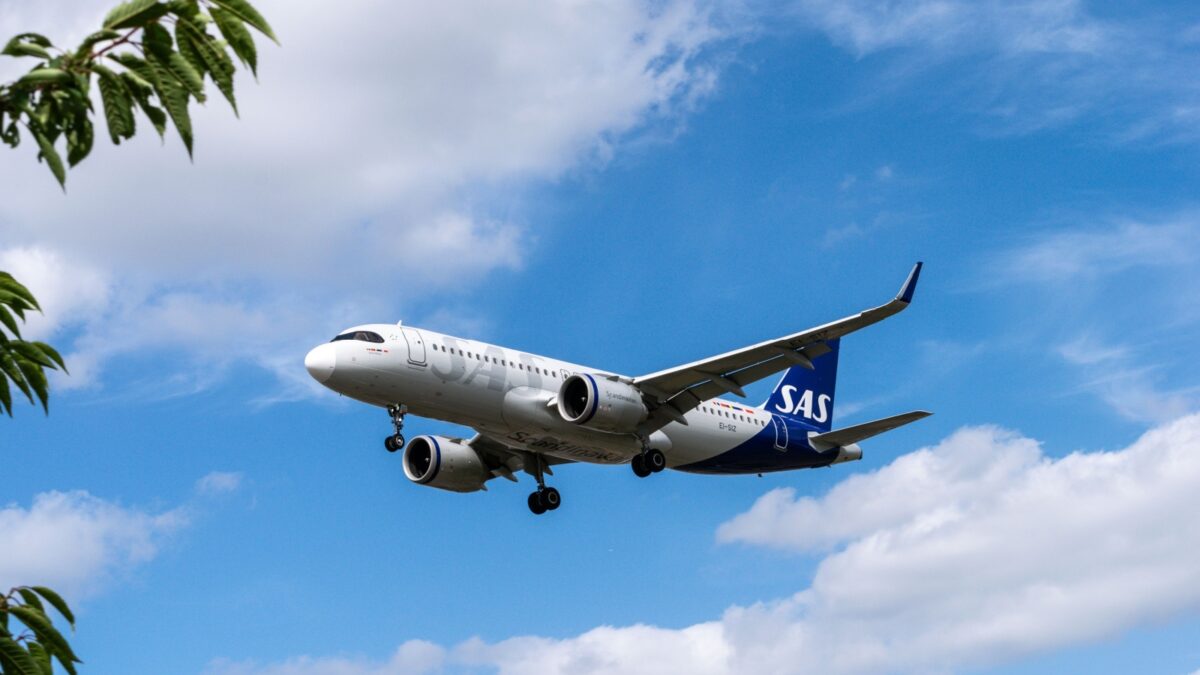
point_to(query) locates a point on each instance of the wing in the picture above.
(675, 391)
(503, 460)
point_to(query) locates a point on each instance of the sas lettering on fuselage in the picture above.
(804, 406)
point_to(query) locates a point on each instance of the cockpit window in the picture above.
(360, 335)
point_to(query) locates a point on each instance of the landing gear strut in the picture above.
(545, 498)
(396, 441)
(652, 460)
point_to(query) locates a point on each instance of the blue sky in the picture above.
(633, 187)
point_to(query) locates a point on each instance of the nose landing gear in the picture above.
(397, 413)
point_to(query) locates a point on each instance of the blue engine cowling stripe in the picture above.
(437, 461)
(595, 400)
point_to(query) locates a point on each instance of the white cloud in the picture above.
(77, 543)
(1015, 27)
(383, 156)
(1074, 254)
(1029, 65)
(67, 291)
(976, 551)
(414, 657)
(1121, 378)
(219, 482)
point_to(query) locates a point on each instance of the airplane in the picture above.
(531, 412)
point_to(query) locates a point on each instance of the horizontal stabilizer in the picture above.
(861, 432)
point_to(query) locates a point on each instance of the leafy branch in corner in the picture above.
(23, 362)
(150, 56)
(30, 647)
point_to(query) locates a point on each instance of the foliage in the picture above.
(150, 56)
(23, 362)
(30, 646)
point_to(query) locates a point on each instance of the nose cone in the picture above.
(320, 362)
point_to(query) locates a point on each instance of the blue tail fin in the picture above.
(807, 395)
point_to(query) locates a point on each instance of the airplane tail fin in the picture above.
(806, 394)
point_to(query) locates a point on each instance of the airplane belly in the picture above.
(704, 439)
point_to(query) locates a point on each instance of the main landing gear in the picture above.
(652, 460)
(545, 498)
(396, 440)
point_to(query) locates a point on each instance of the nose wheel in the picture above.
(544, 498)
(652, 460)
(396, 440)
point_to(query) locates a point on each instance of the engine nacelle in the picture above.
(443, 463)
(600, 403)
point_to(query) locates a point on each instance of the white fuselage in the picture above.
(509, 396)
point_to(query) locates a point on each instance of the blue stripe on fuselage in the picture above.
(758, 454)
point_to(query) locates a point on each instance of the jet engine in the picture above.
(600, 403)
(444, 463)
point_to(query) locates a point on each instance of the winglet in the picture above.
(910, 286)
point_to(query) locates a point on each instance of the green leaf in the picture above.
(30, 352)
(218, 64)
(46, 76)
(246, 13)
(36, 377)
(187, 75)
(10, 284)
(188, 10)
(9, 322)
(20, 661)
(10, 370)
(157, 40)
(51, 597)
(46, 632)
(238, 37)
(52, 158)
(188, 48)
(118, 106)
(85, 48)
(134, 13)
(6, 403)
(79, 142)
(41, 657)
(157, 117)
(26, 49)
(31, 599)
(57, 358)
(34, 38)
(175, 99)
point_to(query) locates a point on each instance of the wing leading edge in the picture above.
(681, 389)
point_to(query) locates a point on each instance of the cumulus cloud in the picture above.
(382, 156)
(979, 550)
(67, 291)
(77, 543)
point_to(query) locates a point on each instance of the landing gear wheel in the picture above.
(655, 460)
(639, 466)
(393, 443)
(535, 503)
(550, 498)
